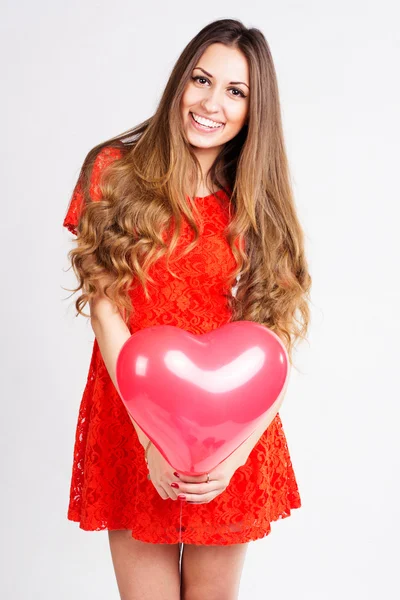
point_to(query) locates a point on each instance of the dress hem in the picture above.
(256, 532)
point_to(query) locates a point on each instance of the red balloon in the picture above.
(199, 397)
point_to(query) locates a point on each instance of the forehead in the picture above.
(224, 62)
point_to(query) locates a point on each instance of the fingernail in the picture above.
(176, 474)
(182, 497)
(174, 484)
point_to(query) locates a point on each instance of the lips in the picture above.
(204, 128)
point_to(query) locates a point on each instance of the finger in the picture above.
(193, 478)
(161, 492)
(169, 491)
(203, 495)
(203, 499)
(171, 485)
(197, 488)
(165, 491)
(175, 491)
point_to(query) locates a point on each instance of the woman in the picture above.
(168, 217)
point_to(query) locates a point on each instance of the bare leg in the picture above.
(144, 571)
(212, 572)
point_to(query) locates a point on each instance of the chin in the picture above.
(204, 145)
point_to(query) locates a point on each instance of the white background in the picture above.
(76, 73)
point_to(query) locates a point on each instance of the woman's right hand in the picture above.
(161, 474)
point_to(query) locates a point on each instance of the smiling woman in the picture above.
(168, 216)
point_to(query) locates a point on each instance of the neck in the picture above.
(206, 158)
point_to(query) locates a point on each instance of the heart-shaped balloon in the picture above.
(198, 397)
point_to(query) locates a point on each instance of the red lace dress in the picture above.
(109, 485)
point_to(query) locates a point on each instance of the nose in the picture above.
(210, 102)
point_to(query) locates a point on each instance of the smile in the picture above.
(205, 124)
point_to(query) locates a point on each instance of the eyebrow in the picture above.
(230, 83)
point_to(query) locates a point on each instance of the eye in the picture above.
(197, 77)
(240, 93)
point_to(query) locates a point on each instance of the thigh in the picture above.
(144, 571)
(212, 571)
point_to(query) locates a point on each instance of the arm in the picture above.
(111, 333)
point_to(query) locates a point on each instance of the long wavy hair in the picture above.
(145, 190)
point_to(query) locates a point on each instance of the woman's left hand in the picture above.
(198, 491)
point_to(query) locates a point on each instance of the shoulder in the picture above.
(106, 156)
(88, 184)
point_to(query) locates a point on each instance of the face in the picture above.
(215, 102)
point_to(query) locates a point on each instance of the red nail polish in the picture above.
(174, 484)
(182, 497)
(176, 474)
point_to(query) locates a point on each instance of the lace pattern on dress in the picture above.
(109, 485)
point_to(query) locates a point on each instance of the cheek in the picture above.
(237, 116)
(189, 97)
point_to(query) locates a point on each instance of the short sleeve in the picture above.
(105, 157)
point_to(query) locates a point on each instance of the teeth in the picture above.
(206, 122)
